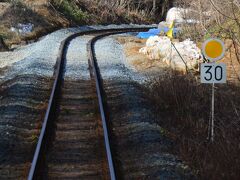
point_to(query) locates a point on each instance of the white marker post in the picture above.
(213, 73)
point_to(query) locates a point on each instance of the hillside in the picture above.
(48, 15)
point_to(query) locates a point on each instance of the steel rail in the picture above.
(100, 93)
(42, 144)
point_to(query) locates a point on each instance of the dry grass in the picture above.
(183, 109)
(129, 10)
(107, 13)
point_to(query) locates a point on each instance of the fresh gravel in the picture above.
(111, 59)
(37, 58)
(40, 57)
(77, 60)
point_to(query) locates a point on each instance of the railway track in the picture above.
(75, 141)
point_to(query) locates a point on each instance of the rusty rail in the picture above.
(45, 134)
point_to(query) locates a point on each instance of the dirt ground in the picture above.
(41, 14)
(141, 63)
(136, 60)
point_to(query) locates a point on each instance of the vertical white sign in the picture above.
(213, 73)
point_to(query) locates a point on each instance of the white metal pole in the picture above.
(213, 106)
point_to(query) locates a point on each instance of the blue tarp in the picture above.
(154, 32)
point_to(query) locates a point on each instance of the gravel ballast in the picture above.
(26, 77)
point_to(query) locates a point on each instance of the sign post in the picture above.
(212, 72)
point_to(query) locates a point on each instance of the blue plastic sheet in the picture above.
(154, 32)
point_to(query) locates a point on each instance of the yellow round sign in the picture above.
(213, 49)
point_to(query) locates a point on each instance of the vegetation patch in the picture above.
(71, 11)
(49, 15)
(182, 106)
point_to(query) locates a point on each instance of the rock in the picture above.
(3, 46)
(160, 48)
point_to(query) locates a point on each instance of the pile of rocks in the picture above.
(185, 55)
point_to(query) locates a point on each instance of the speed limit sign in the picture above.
(213, 73)
(213, 50)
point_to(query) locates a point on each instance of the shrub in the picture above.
(182, 106)
(71, 10)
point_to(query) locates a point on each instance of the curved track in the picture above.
(74, 141)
